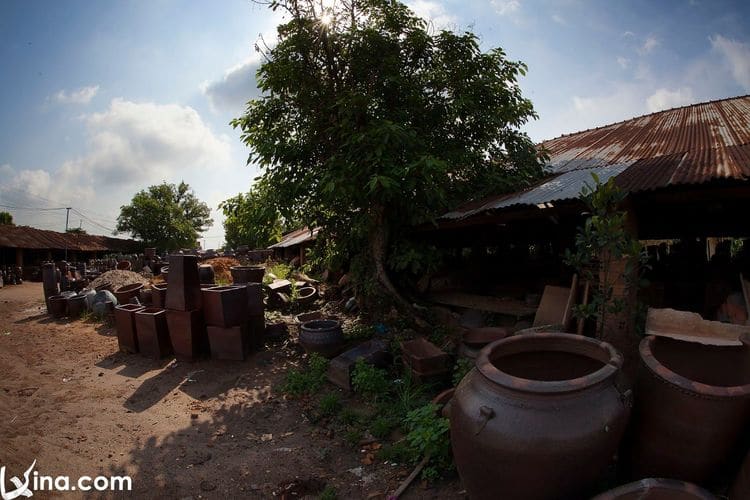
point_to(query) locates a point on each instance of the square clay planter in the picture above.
(127, 338)
(257, 330)
(187, 332)
(152, 333)
(232, 343)
(159, 295)
(423, 356)
(225, 306)
(183, 287)
(255, 306)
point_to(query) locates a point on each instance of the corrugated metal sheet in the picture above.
(296, 237)
(40, 239)
(565, 186)
(707, 135)
(690, 145)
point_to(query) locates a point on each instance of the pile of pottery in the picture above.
(191, 317)
(543, 414)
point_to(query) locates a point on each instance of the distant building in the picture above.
(27, 246)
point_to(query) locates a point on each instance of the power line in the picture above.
(39, 209)
(92, 221)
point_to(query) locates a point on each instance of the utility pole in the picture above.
(67, 216)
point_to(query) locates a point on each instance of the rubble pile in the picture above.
(112, 280)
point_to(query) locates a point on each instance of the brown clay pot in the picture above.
(187, 334)
(76, 306)
(539, 417)
(183, 287)
(158, 295)
(206, 273)
(127, 292)
(692, 406)
(224, 306)
(127, 338)
(58, 306)
(322, 336)
(247, 274)
(656, 489)
(152, 332)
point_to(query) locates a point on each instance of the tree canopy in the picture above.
(6, 218)
(252, 218)
(370, 124)
(165, 216)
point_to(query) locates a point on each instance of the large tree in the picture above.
(370, 123)
(252, 218)
(6, 218)
(165, 216)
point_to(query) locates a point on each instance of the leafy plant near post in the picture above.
(602, 244)
(369, 124)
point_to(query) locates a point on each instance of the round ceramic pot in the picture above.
(76, 306)
(206, 274)
(322, 336)
(539, 417)
(657, 489)
(127, 292)
(306, 295)
(691, 409)
(58, 306)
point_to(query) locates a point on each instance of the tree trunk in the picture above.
(379, 248)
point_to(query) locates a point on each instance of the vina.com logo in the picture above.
(33, 481)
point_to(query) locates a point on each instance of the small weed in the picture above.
(462, 367)
(359, 332)
(428, 436)
(369, 381)
(352, 436)
(398, 453)
(381, 427)
(280, 270)
(330, 404)
(308, 381)
(348, 416)
(329, 493)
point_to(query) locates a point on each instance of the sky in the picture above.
(101, 98)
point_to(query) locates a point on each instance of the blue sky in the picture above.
(102, 98)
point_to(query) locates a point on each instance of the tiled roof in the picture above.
(40, 239)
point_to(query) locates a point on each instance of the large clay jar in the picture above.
(322, 336)
(539, 417)
(657, 489)
(691, 409)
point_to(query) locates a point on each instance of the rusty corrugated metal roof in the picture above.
(296, 237)
(41, 239)
(689, 145)
(710, 137)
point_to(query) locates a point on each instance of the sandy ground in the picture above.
(211, 429)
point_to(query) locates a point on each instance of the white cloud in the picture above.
(736, 55)
(504, 7)
(628, 34)
(236, 87)
(80, 96)
(665, 99)
(130, 146)
(649, 44)
(624, 62)
(434, 12)
(559, 19)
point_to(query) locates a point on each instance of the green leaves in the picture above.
(374, 110)
(165, 216)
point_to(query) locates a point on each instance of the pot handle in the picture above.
(486, 414)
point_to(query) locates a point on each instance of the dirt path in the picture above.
(209, 429)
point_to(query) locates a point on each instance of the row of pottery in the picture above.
(541, 416)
